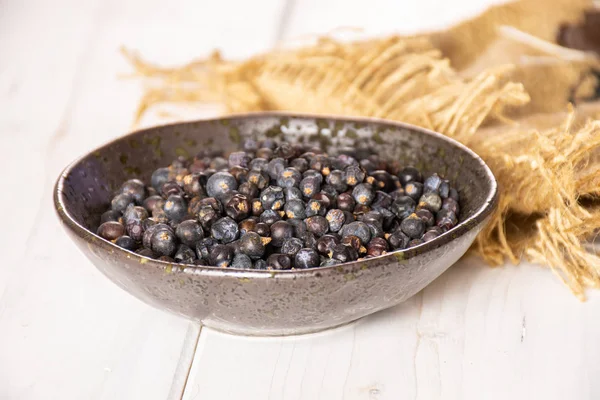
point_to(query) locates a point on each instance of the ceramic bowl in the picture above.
(256, 302)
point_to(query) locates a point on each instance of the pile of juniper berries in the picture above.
(279, 206)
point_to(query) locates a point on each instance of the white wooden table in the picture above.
(66, 332)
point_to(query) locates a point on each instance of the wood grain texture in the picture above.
(66, 332)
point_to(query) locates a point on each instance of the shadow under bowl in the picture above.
(256, 302)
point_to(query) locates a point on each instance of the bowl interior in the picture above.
(90, 183)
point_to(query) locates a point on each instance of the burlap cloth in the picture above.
(499, 83)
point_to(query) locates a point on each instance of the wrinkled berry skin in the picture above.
(306, 258)
(403, 206)
(273, 198)
(241, 261)
(184, 255)
(413, 226)
(280, 231)
(225, 230)
(220, 183)
(251, 244)
(336, 219)
(291, 246)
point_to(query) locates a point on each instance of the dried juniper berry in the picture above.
(264, 153)
(280, 231)
(345, 202)
(285, 150)
(429, 236)
(327, 200)
(398, 240)
(291, 246)
(315, 207)
(260, 264)
(240, 174)
(430, 201)
(326, 242)
(410, 174)
(403, 206)
(239, 159)
(259, 164)
(310, 240)
(207, 216)
(225, 230)
(414, 190)
(175, 208)
(263, 229)
(363, 194)
(204, 247)
(189, 232)
(377, 246)
(336, 180)
(250, 145)
(164, 242)
(171, 188)
(310, 186)
(247, 225)
(336, 219)
(126, 243)
(258, 178)
(278, 261)
(238, 207)
(257, 207)
(415, 242)
(250, 190)
(153, 202)
(241, 261)
(110, 215)
(220, 256)
(306, 258)
(432, 184)
(413, 226)
(111, 230)
(382, 200)
(135, 229)
(381, 180)
(121, 201)
(159, 177)
(220, 183)
(269, 217)
(292, 193)
(144, 252)
(446, 220)
(451, 205)
(426, 216)
(354, 242)
(311, 173)
(343, 253)
(300, 164)
(359, 229)
(295, 209)
(272, 198)
(134, 213)
(135, 188)
(192, 185)
(354, 174)
(317, 225)
(184, 255)
(275, 167)
(299, 226)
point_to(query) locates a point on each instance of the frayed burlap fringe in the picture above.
(548, 172)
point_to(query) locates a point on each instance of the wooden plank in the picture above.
(66, 332)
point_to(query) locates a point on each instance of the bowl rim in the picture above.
(459, 230)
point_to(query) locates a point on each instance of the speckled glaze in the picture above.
(272, 302)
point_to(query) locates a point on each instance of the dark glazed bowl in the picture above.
(255, 302)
